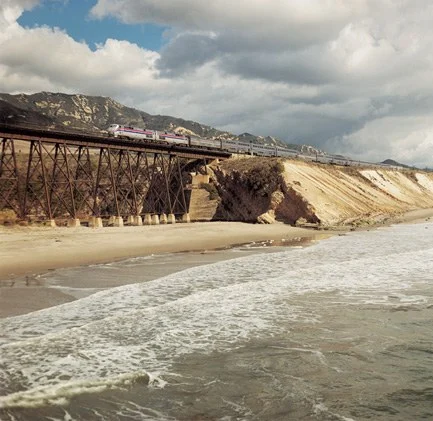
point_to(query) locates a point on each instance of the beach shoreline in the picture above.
(29, 253)
(26, 253)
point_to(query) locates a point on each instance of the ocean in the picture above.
(339, 330)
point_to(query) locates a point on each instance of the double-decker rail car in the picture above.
(280, 151)
(263, 150)
(236, 147)
(205, 143)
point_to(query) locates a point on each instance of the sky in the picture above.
(352, 77)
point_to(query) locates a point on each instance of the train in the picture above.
(229, 145)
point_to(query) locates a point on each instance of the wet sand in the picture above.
(24, 294)
(28, 252)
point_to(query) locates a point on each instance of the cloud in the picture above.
(63, 63)
(407, 140)
(275, 22)
(45, 58)
(186, 52)
(352, 77)
(10, 11)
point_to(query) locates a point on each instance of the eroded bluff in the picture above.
(265, 190)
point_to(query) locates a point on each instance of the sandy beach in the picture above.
(26, 252)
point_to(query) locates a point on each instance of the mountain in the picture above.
(394, 163)
(11, 114)
(95, 113)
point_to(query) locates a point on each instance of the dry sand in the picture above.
(28, 251)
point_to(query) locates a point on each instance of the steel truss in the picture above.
(56, 180)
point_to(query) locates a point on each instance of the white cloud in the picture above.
(350, 76)
(407, 140)
(297, 22)
(10, 11)
(46, 58)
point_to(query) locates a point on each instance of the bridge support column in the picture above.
(171, 219)
(118, 221)
(155, 219)
(73, 223)
(138, 222)
(51, 223)
(147, 219)
(95, 222)
(135, 220)
(186, 218)
(163, 218)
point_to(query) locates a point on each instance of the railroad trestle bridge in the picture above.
(65, 177)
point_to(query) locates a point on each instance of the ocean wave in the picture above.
(61, 394)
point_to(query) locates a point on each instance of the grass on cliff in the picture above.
(247, 164)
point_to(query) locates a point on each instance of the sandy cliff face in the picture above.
(265, 190)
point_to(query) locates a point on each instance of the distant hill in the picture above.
(96, 113)
(395, 163)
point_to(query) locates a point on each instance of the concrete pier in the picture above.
(73, 223)
(155, 219)
(118, 221)
(138, 222)
(147, 219)
(186, 218)
(134, 220)
(51, 223)
(163, 218)
(171, 219)
(95, 222)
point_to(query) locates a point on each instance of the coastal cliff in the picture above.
(264, 190)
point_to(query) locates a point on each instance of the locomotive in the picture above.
(134, 133)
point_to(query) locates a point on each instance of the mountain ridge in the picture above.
(95, 113)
